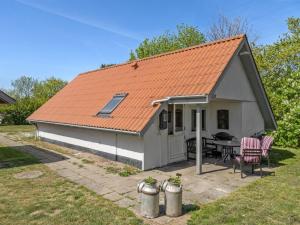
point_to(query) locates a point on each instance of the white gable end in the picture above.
(234, 83)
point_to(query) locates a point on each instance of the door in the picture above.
(176, 140)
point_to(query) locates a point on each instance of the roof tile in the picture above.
(190, 71)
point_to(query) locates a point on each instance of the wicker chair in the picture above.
(251, 154)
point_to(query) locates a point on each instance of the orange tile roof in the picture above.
(189, 71)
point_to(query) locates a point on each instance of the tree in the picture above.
(31, 95)
(23, 87)
(225, 27)
(294, 26)
(279, 66)
(132, 56)
(185, 36)
(44, 90)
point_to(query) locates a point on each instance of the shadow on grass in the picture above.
(277, 156)
(16, 156)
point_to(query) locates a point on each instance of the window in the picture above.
(203, 119)
(170, 119)
(163, 120)
(194, 114)
(178, 117)
(112, 104)
(223, 119)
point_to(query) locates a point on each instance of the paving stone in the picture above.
(122, 189)
(126, 202)
(69, 174)
(103, 190)
(113, 196)
(133, 195)
(92, 185)
(83, 181)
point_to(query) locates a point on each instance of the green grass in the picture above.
(9, 155)
(124, 171)
(50, 199)
(16, 128)
(274, 199)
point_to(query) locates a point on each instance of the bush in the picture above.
(17, 113)
(288, 131)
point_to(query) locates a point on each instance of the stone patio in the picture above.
(218, 179)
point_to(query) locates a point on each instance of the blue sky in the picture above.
(62, 38)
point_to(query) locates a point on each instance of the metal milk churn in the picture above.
(173, 198)
(149, 199)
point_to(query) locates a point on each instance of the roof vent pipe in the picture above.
(135, 65)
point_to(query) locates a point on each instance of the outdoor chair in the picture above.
(191, 148)
(250, 154)
(209, 148)
(265, 145)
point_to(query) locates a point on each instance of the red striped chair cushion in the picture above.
(249, 143)
(266, 143)
(247, 159)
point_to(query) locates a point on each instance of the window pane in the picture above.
(194, 119)
(163, 120)
(179, 118)
(223, 119)
(203, 119)
(170, 119)
(112, 104)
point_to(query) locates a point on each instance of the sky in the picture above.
(62, 38)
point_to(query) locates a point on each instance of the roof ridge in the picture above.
(169, 53)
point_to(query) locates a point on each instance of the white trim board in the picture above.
(93, 145)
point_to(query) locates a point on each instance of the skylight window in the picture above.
(112, 104)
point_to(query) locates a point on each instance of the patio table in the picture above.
(227, 147)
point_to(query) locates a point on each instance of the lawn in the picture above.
(274, 199)
(50, 199)
(17, 128)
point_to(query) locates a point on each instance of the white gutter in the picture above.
(87, 127)
(180, 97)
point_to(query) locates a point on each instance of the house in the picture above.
(6, 99)
(142, 112)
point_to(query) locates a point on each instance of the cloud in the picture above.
(90, 23)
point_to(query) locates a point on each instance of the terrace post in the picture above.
(198, 142)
